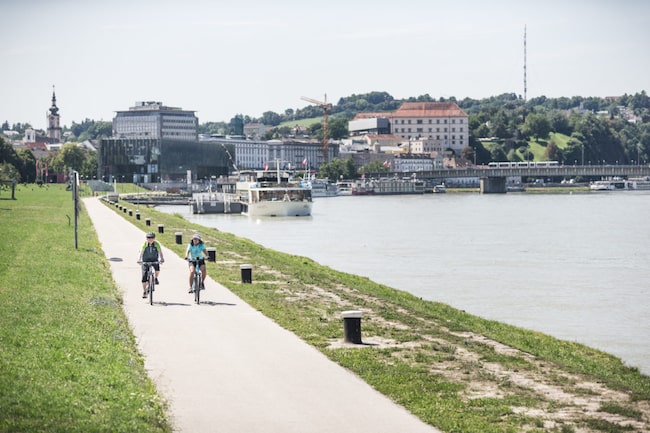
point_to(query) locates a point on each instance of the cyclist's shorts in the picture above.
(201, 262)
(144, 271)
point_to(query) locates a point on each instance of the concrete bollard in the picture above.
(147, 221)
(161, 228)
(212, 254)
(246, 273)
(124, 209)
(352, 326)
(179, 237)
(130, 212)
(137, 214)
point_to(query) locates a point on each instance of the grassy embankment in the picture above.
(68, 359)
(456, 371)
(69, 362)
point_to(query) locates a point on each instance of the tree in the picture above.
(27, 165)
(338, 128)
(553, 152)
(376, 166)
(8, 172)
(71, 156)
(271, 118)
(338, 168)
(536, 125)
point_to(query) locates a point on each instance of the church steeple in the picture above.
(53, 121)
(54, 109)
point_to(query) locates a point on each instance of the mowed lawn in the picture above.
(68, 360)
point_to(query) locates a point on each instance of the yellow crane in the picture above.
(326, 107)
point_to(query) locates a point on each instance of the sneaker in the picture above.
(202, 286)
(144, 294)
(157, 281)
(190, 291)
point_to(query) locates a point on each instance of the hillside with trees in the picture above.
(505, 127)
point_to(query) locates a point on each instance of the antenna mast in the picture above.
(525, 64)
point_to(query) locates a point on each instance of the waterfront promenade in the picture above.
(223, 366)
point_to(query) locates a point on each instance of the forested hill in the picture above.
(612, 130)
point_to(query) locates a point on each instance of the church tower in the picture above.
(53, 121)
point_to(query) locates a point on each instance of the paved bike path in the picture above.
(223, 366)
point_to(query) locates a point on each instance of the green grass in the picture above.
(68, 360)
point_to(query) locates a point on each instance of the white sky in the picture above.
(222, 58)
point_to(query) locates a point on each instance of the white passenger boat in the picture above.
(321, 188)
(388, 186)
(639, 183)
(266, 193)
(609, 185)
(440, 189)
(344, 187)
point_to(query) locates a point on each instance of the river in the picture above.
(574, 266)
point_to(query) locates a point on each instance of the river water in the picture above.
(574, 266)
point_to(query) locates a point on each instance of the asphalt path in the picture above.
(223, 366)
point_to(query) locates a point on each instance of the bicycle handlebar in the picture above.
(196, 259)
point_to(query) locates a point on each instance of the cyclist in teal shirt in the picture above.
(196, 250)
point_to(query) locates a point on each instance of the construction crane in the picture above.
(326, 107)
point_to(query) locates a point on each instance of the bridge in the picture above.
(493, 179)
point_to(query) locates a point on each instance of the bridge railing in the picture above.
(565, 171)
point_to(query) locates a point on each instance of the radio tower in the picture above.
(525, 64)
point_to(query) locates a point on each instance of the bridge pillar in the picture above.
(493, 185)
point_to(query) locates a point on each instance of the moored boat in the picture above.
(321, 188)
(386, 186)
(639, 183)
(440, 189)
(609, 185)
(272, 194)
(363, 187)
(344, 187)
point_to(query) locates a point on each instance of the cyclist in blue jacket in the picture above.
(196, 250)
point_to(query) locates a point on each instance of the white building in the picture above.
(259, 154)
(443, 124)
(154, 120)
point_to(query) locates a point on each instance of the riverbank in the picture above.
(455, 371)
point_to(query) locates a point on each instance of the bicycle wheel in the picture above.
(151, 285)
(197, 288)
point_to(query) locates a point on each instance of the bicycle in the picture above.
(197, 280)
(151, 279)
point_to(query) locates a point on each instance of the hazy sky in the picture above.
(222, 58)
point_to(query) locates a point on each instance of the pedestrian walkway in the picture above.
(223, 366)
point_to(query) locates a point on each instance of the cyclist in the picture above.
(196, 250)
(150, 252)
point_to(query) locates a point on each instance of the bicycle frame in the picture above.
(151, 279)
(197, 280)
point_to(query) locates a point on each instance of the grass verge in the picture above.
(68, 360)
